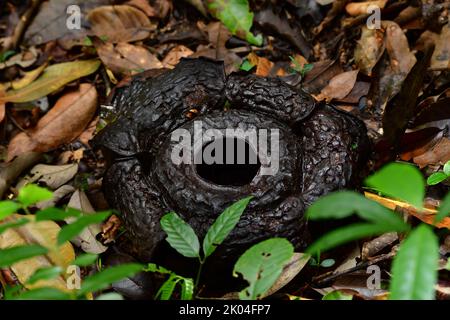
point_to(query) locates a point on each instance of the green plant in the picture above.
(302, 70)
(166, 290)
(28, 196)
(236, 16)
(414, 270)
(439, 176)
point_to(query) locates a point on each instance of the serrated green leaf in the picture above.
(7, 208)
(85, 259)
(166, 290)
(31, 194)
(187, 289)
(45, 293)
(436, 178)
(444, 209)
(223, 225)
(12, 255)
(44, 274)
(68, 232)
(180, 235)
(236, 16)
(399, 180)
(56, 214)
(346, 234)
(414, 269)
(342, 204)
(261, 265)
(104, 278)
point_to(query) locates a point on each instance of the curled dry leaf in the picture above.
(174, 56)
(339, 87)
(52, 79)
(52, 176)
(29, 77)
(23, 59)
(374, 246)
(369, 49)
(263, 65)
(120, 23)
(110, 228)
(362, 8)
(62, 124)
(144, 6)
(42, 233)
(86, 240)
(126, 58)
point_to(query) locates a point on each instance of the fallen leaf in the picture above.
(438, 154)
(441, 55)
(374, 246)
(86, 240)
(111, 228)
(53, 78)
(127, 59)
(50, 175)
(24, 59)
(42, 233)
(62, 124)
(263, 65)
(121, 23)
(369, 49)
(144, 6)
(28, 77)
(58, 194)
(88, 133)
(360, 8)
(401, 58)
(339, 87)
(174, 56)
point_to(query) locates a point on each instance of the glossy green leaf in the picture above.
(12, 255)
(187, 289)
(236, 16)
(85, 259)
(7, 208)
(223, 225)
(68, 232)
(444, 209)
(261, 265)
(414, 269)
(56, 214)
(399, 180)
(180, 235)
(31, 194)
(168, 287)
(44, 274)
(342, 204)
(346, 234)
(436, 178)
(106, 277)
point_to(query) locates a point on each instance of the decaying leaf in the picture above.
(441, 55)
(43, 233)
(28, 77)
(369, 49)
(174, 56)
(86, 239)
(62, 124)
(52, 176)
(127, 59)
(144, 6)
(339, 87)
(438, 154)
(53, 78)
(121, 23)
(263, 65)
(374, 246)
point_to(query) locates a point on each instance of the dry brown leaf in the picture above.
(401, 58)
(62, 124)
(360, 8)
(144, 6)
(43, 233)
(263, 65)
(58, 194)
(88, 133)
(369, 49)
(50, 175)
(441, 56)
(126, 58)
(438, 154)
(339, 87)
(120, 23)
(111, 228)
(174, 56)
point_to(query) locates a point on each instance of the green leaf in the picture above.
(342, 204)
(414, 269)
(261, 265)
(346, 234)
(236, 16)
(444, 209)
(15, 224)
(399, 180)
(166, 290)
(7, 208)
(56, 214)
(45, 293)
(447, 266)
(31, 194)
(68, 232)
(447, 168)
(436, 178)
(85, 259)
(151, 267)
(44, 274)
(246, 65)
(223, 225)
(12, 255)
(180, 235)
(103, 279)
(187, 289)
(5, 55)
(337, 295)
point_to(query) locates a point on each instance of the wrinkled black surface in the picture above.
(321, 150)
